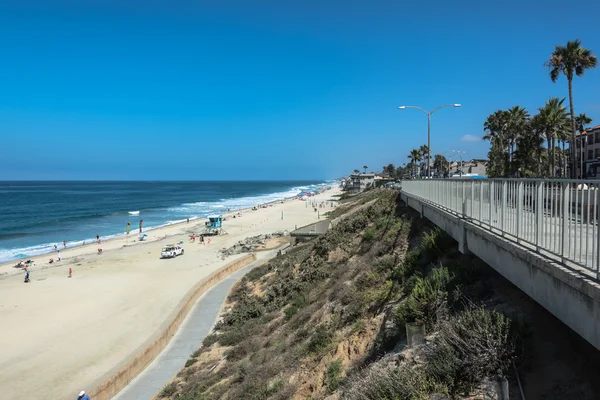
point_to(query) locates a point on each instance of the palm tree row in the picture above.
(416, 156)
(516, 139)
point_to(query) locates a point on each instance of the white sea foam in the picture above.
(180, 213)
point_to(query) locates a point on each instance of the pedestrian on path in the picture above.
(83, 396)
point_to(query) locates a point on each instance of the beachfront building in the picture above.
(472, 167)
(382, 179)
(360, 182)
(476, 167)
(590, 151)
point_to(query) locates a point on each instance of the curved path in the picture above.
(188, 338)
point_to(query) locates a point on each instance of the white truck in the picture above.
(170, 251)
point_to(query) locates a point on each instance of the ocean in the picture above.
(34, 216)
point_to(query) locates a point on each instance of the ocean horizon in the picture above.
(36, 215)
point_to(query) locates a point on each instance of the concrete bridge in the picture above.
(542, 235)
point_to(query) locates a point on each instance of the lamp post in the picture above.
(429, 129)
(460, 153)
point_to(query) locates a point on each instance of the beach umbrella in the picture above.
(143, 235)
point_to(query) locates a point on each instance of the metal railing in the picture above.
(557, 218)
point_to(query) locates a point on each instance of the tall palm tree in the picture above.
(571, 60)
(517, 125)
(365, 168)
(425, 154)
(582, 121)
(356, 171)
(496, 127)
(552, 121)
(415, 156)
(538, 129)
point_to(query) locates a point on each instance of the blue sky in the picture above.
(267, 89)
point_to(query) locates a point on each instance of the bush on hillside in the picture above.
(333, 375)
(476, 344)
(248, 307)
(426, 300)
(320, 340)
(383, 380)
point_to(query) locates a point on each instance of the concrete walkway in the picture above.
(188, 338)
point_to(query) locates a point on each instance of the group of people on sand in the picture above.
(200, 239)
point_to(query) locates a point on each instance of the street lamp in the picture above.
(429, 129)
(460, 153)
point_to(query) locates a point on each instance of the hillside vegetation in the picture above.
(328, 319)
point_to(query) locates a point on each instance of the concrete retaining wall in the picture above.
(571, 296)
(114, 381)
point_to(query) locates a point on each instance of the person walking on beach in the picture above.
(70, 272)
(141, 220)
(65, 244)
(188, 220)
(59, 256)
(98, 239)
(26, 275)
(83, 396)
(55, 247)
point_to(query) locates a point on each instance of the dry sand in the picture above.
(59, 335)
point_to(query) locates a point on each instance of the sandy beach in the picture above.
(60, 335)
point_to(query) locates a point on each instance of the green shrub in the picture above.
(248, 307)
(408, 267)
(210, 339)
(435, 243)
(477, 343)
(320, 340)
(426, 300)
(333, 375)
(233, 336)
(168, 390)
(190, 362)
(385, 381)
(242, 349)
(369, 234)
(290, 312)
(385, 264)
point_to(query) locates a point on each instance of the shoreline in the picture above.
(9, 268)
(79, 243)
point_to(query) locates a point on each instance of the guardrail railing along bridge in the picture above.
(556, 218)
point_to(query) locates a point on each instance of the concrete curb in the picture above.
(110, 384)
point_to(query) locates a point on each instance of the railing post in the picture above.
(491, 191)
(539, 214)
(503, 207)
(565, 220)
(464, 199)
(480, 202)
(520, 199)
(472, 199)
(597, 227)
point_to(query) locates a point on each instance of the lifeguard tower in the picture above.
(213, 225)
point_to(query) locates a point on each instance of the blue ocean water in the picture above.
(34, 216)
